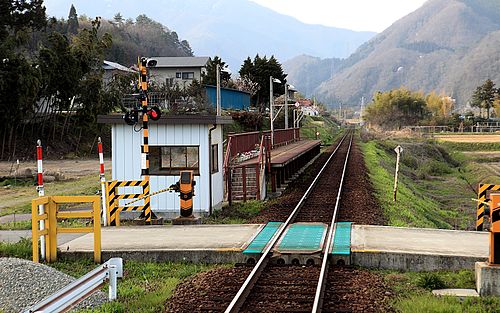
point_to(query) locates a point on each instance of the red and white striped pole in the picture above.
(41, 193)
(103, 182)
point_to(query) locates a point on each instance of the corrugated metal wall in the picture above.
(229, 98)
(126, 164)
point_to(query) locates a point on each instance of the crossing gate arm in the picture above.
(77, 291)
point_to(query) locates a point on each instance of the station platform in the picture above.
(398, 248)
(287, 160)
(285, 154)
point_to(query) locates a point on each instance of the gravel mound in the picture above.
(24, 283)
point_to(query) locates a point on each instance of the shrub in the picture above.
(410, 161)
(431, 281)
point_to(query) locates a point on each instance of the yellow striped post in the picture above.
(143, 82)
(482, 199)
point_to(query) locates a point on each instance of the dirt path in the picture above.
(469, 138)
(81, 177)
(70, 168)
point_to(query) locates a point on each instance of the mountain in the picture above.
(448, 46)
(232, 29)
(143, 37)
(306, 72)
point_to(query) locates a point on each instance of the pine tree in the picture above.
(118, 19)
(210, 77)
(72, 21)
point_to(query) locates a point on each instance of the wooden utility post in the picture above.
(398, 151)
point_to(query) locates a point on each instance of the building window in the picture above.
(214, 167)
(187, 75)
(170, 160)
(178, 75)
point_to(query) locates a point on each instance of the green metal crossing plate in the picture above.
(303, 238)
(342, 239)
(260, 241)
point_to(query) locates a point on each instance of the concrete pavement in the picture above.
(417, 249)
(371, 246)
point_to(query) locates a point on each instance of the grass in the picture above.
(12, 182)
(20, 225)
(471, 146)
(413, 292)
(414, 207)
(21, 249)
(26, 225)
(436, 183)
(145, 286)
(17, 199)
(238, 213)
(327, 129)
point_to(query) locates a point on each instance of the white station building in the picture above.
(178, 142)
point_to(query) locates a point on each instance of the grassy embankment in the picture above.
(435, 184)
(145, 286)
(412, 292)
(326, 128)
(435, 190)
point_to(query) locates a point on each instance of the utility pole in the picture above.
(362, 110)
(218, 90)
(286, 106)
(271, 105)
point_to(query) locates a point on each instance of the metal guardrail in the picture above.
(72, 294)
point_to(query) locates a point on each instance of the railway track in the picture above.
(275, 287)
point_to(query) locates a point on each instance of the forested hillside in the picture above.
(143, 36)
(51, 76)
(231, 29)
(447, 46)
(306, 72)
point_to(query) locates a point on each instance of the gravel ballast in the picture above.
(24, 283)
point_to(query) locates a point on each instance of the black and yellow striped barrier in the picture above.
(495, 229)
(482, 200)
(114, 197)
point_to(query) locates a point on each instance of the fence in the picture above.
(285, 136)
(245, 142)
(51, 229)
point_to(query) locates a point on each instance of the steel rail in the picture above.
(245, 289)
(318, 298)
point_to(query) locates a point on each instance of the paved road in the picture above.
(15, 218)
(12, 236)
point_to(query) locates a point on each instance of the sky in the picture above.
(360, 15)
